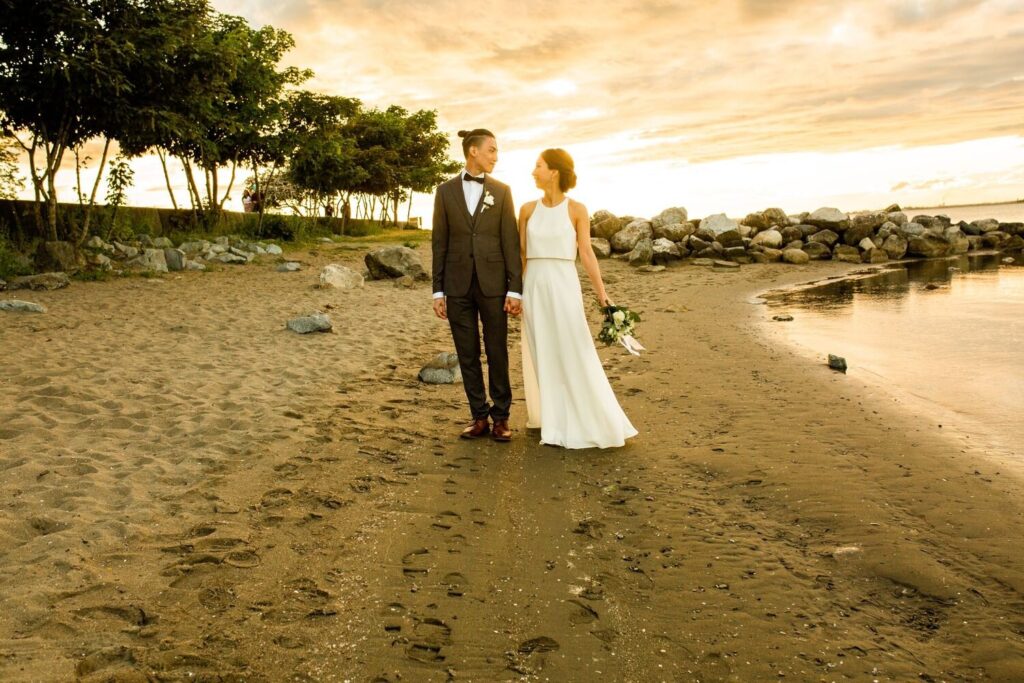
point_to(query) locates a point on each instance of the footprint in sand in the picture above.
(455, 584)
(413, 558)
(445, 519)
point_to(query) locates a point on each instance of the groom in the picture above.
(478, 278)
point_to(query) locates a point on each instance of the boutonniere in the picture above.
(488, 200)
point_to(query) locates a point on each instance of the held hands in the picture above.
(513, 306)
(441, 308)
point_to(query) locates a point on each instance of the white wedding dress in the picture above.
(567, 393)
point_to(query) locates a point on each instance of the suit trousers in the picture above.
(465, 316)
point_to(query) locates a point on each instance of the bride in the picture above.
(567, 393)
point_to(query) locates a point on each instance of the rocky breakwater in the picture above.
(772, 235)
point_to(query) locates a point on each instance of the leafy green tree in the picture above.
(10, 181)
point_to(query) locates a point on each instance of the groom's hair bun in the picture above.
(559, 160)
(473, 138)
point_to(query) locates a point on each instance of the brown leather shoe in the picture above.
(476, 430)
(501, 432)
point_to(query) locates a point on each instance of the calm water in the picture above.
(954, 354)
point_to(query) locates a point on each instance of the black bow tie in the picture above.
(466, 176)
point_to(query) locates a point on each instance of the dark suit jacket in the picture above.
(487, 241)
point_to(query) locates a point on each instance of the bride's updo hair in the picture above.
(559, 160)
(473, 138)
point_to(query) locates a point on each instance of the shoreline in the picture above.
(259, 505)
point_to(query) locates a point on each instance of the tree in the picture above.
(10, 181)
(329, 167)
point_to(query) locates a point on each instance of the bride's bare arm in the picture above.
(581, 221)
(525, 211)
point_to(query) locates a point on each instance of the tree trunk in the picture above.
(231, 183)
(92, 198)
(408, 213)
(167, 177)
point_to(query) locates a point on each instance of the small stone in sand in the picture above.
(725, 264)
(24, 306)
(703, 262)
(650, 269)
(837, 363)
(784, 318)
(318, 322)
(1008, 259)
(289, 267)
(444, 369)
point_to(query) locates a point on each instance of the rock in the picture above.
(957, 240)
(909, 230)
(939, 223)
(871, 220)
(326, 240)
(795, 244)
(736, 254)
(828, 217)
(18, 306)
(273, 250)
(888, 228)
(769, 218)
(340, 277)
(175, 259)
(867, 244)
(928, 246)
(683, 249)
(817, 251)
(625, 240)
(664, 250)
(125, 251)
(768, 238)
(784, 318)
(58, 257)
(875, 256)
(163, 243)
(897, 217)
(1012, 228)
(703, 262)
(704, 234)
(150, 260)
(1015, 243)
(859, 230)
(698, 244)
(602, 247)
(289, 267)
(318, 322)
(404, 282)
(758, 257)
(791, 233)
(392, 262)
(444, 369)
(1008, 259)
(43, 281)
(772, 255)
(846, 254)
(604, 224)
(826, 237)
(247, 255)
(674, 232)
(729, 238)
(100, 262)
(223, 241)
(228, 257)
(194, 247)
(3, 285)
(718, 223)
(795, 256)
(725, 265)
(837, 363)
(670, 216)
(145, 241)
(650, 269)
(642, 253)
(194, 265)
(994, 240)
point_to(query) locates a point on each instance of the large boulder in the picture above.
(817, 251)
(625, 240)
(194, 247)
(339, 277)
(718, 223)
(730, 238)
(897, 217)
(642, 253)
(602, 247)
(957, 240)
(604, 224)
(664, 250)
(895, 246)
(443, 369)
(163, 243)
(795, 256)
(910, 230)
(768, 238)
(846, 253)
(793, 232)
(860, 228)
(826, 237)
(391, 262)
(675, 214)
(875, 256)
(674, 232)
(175, 259)
(149, 260)
(928, 246)
(769, 218)
(58, 257)
(828, 217)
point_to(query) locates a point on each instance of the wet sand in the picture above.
(191, 492)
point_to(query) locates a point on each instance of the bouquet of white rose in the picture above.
(618, 328)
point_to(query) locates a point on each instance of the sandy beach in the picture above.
(192, 492)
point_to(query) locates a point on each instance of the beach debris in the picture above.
(391, 262)
(837, 363)
(783, 318)
(317, 322)
(340, 277)
(16, 305)
(289, 267)
(43, 281)
(443, 369)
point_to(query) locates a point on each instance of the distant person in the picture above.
(329, 210)
(247, 201)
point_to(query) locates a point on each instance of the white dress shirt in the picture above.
(472, 191)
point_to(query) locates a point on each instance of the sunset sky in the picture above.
(728, 106)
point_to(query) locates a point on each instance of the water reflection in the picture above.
(947, 332)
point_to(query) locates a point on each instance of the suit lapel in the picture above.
(488, 189)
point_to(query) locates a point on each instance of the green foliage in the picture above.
(12, 263)
(10, 181)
